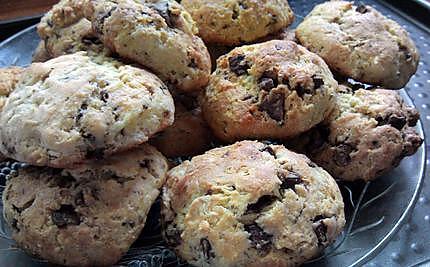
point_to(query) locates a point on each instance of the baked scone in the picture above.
(76, 107)
(189, 134)
(88, 216)
(275, 89)
(368, 135)
(9, 77)
(41, 54)
(359, 42)
(62, 35)
(233, 22)
(157, 34)
(250, 204)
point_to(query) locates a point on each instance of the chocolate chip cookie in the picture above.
(77, 107)
(233, 22)
(87, 216)
(250, 204)
(359, 42)
(9, 77)
(370, 132)
(157, 34)
(64, 30)
(189, 134)
(275, 89)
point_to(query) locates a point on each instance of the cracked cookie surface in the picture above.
(68, 216)
(157, 34)
(238, 21)
(369, 133)
(77, 107)
(275, 89)
(250, 204)
(359, 42)
(64, 30)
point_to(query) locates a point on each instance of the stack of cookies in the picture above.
(118, 87)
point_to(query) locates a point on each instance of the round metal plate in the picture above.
(375, 212)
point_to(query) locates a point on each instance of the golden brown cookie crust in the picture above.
(78, 107)
(234, 22)
(359, 42)
(88, 216)
(157, 34)
(275, 89)
(368, 135)
(250, 204)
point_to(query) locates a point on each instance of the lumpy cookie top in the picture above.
(87, 216)
(9, 77)
(370, 132)
(64, 30)
(250, 204)
(233, 22)
(77, 107)
(159, 35)
(276, 89)
(359, 42)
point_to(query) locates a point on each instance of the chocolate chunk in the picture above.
(397, 122)
(248, 97)
(362, 9)
(97, 153)
(91, 40)
(269, 150)
(321, 232)
(206, 248)
(129, 224)
(394, 120)
(260, 240)
(192, 64)
(104, 95)
(243, 5)
(268, 81)
(273, 105)
(80, 199)
(406, 52)
(266, 84)
(24, 207)
(300, 90)
(235, 14)
(162, 8)
(88, 137)
(318, 81)
(65, 216)
(100, 20)
(81, 111)
(341, 155)
(14, 225)
(285, 80)
(144, 163)
(238, 65)
(261, 204)
(289, 179)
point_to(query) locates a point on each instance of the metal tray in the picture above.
(375, 211)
